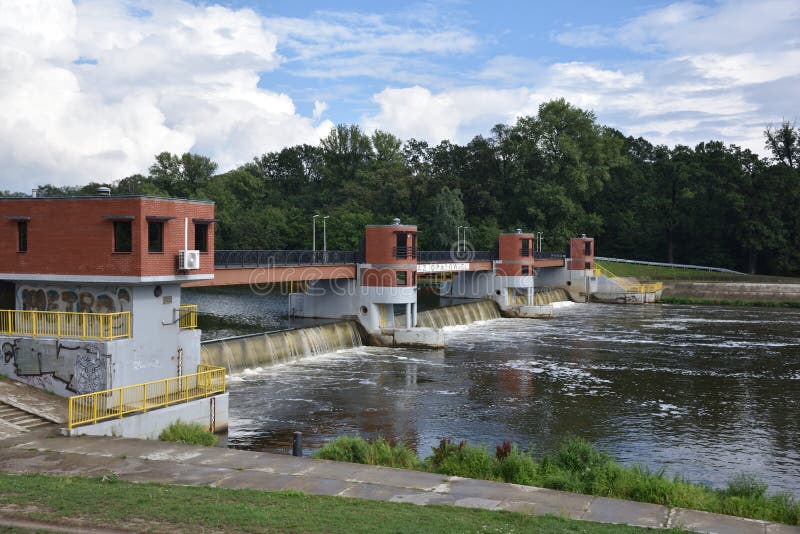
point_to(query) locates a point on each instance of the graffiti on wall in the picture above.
(73, 299)
(80, 365)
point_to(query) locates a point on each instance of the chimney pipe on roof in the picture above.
(103, 191)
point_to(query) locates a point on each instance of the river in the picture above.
(705, 392)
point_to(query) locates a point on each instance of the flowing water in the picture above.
(706, 392)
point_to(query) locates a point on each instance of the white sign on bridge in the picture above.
(441, 267)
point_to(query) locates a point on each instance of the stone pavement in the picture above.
(36, 406)
(169, 463)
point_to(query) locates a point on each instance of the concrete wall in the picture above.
(149, 425)
(64, 367)
(734, 291)
(578, 283)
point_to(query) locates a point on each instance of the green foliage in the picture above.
(376, 452)
(83, 503)
(558, 172)
(576, 466)
(188, 433)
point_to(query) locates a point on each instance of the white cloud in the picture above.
(179, 77)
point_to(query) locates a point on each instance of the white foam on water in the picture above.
(563, 304)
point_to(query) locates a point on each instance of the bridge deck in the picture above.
(246, 267)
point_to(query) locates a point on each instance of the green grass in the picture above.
(188, 433)
(658, 273)
(164, 508)
(731, 302)
(578, 467)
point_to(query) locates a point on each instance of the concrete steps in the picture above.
(20, 418)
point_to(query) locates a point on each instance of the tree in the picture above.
(181, 176)
(447, 215)
(784, 143)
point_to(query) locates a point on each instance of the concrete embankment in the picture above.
(170, 463)
(733, 291)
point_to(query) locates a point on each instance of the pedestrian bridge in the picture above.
(244, 267)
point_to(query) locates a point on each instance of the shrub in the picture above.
(188, 433)
(463, 460)
(376, 452)
(517, 467)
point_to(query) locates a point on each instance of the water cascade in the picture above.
(459, 314)
(270, 348)
(549, 296)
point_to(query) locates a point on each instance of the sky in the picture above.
(93, 89)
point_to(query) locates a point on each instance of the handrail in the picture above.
(670, 265)
(188, 315)
(448, 256)
(239, 259)
(91, 408)
(651, 287)
(58, 324)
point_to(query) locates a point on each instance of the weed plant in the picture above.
(188, 433)
(575, 466)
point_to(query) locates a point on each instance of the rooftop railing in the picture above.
(77, 325)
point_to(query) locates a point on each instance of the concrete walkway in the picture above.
(168, 463)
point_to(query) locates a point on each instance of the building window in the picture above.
(588, 265)
(22, 237)
(587, 248)
(201, 237)
(123, 236)
(155, 236)
(526, 247)
(402, 278)
(525, 270)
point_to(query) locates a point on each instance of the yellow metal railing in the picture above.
(35, 323)
(651, 287)
(118, 402)
(188, 315)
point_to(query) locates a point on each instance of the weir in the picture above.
(549, 296)
(459, 314)
(271, 348)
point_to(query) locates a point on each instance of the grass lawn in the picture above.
(162, 508)
(658, 273)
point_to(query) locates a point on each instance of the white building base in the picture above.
(148, 425)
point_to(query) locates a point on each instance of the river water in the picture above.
(705, 392)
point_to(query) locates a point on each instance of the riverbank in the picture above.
(575, 466)
(172, 466)
(730, 302)
(106, 502)
(732, 291)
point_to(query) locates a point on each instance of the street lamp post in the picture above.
(464, 247)
(314, 237)
(325, 238)
(458, 239)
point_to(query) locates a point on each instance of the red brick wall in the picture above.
(509, 248)
(70, 236)
(380, 242)
(577, 253)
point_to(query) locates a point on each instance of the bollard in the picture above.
(297, 444)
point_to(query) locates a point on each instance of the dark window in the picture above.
(525, 270)
(123, 236)
(587, 248)
(401, 246)
(402, 278)
(526, 247)
(22, 242)
(155, 236)
(201, 237)
(588, 265)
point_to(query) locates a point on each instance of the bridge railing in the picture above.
(232, 259)
(547, 255)
(78, 325)
(446, 256)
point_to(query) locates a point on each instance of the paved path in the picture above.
(169, 463)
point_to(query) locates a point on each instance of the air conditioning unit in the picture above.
(188, 260)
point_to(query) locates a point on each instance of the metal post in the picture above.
(464, 248)
(458, 238)
(325, 239)
(314, 238)
(297, 444)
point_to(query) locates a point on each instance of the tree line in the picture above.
(558, 172)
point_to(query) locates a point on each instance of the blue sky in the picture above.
(92, 89)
